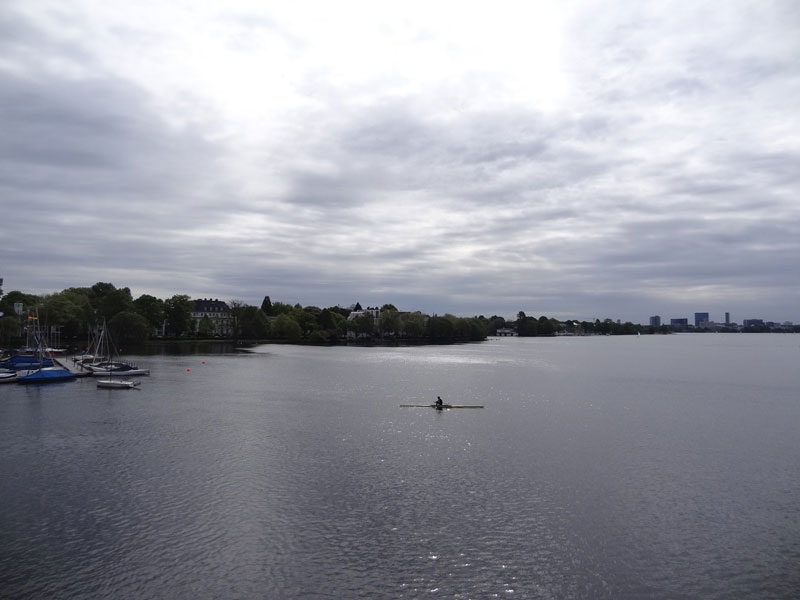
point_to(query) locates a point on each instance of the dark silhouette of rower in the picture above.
(439, 402)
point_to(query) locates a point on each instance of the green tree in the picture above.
(332, 323)
(9, 330)
(205, 329)
(236, 306)
(389, 321)
(461, 328)
(414, 325)
(362, 325)
(108, 300)
(478, 329)
(545, 326)
(68, 310)
(266, 306)
(604, 327)
(151, 308)
(100, 290)
(339, 311)
(178, 313)
(440, 329)
(7, 302)
(326, 319)
(319, 337)
(284, 327)
(279, 308)
(305, 319)
(496, 323)
(253, 323)
(527, 326)
(129, 327)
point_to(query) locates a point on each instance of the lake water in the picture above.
(600, 467)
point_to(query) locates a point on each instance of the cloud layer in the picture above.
(580, 159)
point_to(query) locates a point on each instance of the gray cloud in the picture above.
(664, 179)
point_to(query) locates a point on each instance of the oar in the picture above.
(440, 406)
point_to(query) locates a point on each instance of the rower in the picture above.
(439, 401)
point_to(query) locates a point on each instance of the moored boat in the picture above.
(115, 368)
(39, 366)
(47, 375)
(104, 362)
(22, 362)
(8, 376)
(117, 384)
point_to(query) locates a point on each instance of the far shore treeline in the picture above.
(75, 312)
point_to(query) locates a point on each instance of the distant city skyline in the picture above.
(579, 160)
(700, 317)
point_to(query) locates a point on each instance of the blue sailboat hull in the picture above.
(48, 375)
(20, 363)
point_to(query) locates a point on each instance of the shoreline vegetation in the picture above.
(69, 317)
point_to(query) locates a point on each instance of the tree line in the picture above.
(543, 326)
(75, 312)
(296, 323)
(79, 310)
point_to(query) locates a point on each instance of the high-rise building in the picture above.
(700, 318)
(727, 318)
(655, 321)
(679, 323)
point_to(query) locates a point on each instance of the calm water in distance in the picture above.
(602, 467)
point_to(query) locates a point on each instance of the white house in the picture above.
(375, 313)
(217, 312)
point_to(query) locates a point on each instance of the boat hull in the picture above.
(8, 377)
(96, 372)
(23, 363)
(441, 406)
(122, 369)
(119, 384)
(47, 375)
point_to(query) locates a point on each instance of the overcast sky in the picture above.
(574, 159)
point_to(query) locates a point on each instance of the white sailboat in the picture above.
(117, 384)
(115, 371)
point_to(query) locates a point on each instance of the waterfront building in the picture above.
(753, 323)
(679, 323)
(655, 321)
(700, 319)
(375, 313)
(217, 312)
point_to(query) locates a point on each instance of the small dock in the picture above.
(76, 372)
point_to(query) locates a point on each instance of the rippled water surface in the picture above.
(657, 467)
